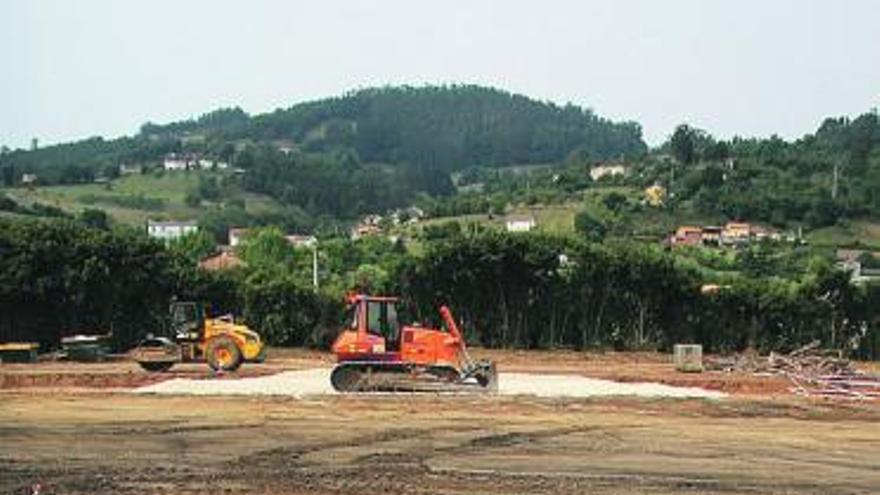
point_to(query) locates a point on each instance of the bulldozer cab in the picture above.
(187, 321)
(376, 316)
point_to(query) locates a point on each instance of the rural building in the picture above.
(236, 236)
(607, 170)
(224, 260)
(760, 233)
(520, 223)
(363, 230)
(302, 241)
(174, 161)
(736, 233)
(369, 225)
(712, 236)
(29, 179)
(208, 164)
(687, 235)
(130, 169)
(171, 229)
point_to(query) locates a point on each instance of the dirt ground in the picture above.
(624, 367)
(75, 428)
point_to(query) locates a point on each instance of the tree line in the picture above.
(527, 291)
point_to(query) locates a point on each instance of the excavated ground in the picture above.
(88, 443)
(72, 428)
(620, 367)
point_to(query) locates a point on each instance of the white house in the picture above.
(130, 169)
(609, 170)
(302, 241)
(171, 229)
(235, 236)
(177, 162)
(520, 223)
(29, 179)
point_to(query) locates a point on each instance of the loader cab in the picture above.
(187, 321)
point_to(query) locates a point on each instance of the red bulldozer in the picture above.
(375, 352)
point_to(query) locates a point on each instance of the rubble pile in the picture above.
(812, 371)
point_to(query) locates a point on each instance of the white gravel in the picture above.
(317, 382)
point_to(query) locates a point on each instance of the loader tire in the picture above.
(156, 367)
(223, 354)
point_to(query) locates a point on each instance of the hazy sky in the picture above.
(73, 69)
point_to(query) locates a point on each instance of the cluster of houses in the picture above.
(191, 161)
(850, 260)
(372, 224)
(224, 257)
(731, 234)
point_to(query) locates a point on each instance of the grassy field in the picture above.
(134, 199)
(857, 233)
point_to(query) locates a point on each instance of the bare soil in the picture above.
(120, 443)
(75, 428)
(624, 367)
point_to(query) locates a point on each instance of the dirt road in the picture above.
(123, 443)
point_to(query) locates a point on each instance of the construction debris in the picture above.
(813, 372)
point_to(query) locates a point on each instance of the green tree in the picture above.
(193, 247)
(683, 144)
(589, 225)
(96, 219)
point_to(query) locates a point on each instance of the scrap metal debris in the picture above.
(813, 372)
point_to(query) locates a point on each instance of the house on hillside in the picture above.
(363, 230)
(224, 260)
(760, 233)
(520, 223)
(236, 235)
(369, 225)
(302, 241)
(179, 161)
(688, 235)
(285, 146)
(29, 179)
(607, 170)
(712, 235)
(736, 233)
(169, 230)
(209, 164)
(130, 169)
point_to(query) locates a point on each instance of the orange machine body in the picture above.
(379, 338)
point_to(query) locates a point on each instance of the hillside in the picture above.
(134, 199)
(468, 150)
(437, 127)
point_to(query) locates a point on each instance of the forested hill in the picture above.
(433, 127)
(445, 127)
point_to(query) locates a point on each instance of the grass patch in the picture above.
(855, 234)
(134, 199)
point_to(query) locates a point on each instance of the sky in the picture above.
(71, 70)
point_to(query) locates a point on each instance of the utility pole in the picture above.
(836, 182)
(315, 265)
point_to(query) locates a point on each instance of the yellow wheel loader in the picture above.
(192, 336)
